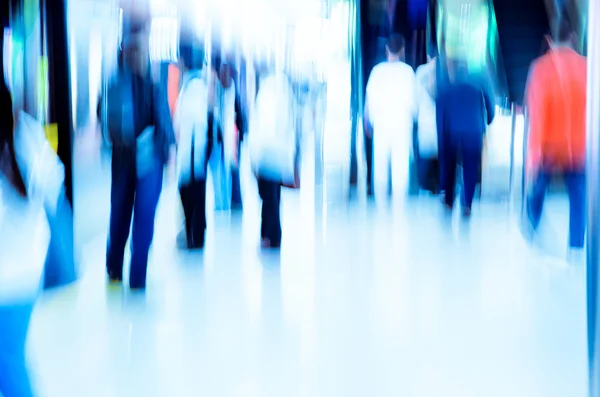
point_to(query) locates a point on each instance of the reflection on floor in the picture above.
(361, 302)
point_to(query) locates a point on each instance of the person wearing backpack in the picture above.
(194, 142)
(138, 123)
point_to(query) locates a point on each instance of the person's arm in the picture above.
(367, 121)
(239, 117)
(534, 104)
(163, 123)
(368, 127)
(440, 113)
(490, 103)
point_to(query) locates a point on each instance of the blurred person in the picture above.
(464, 108)
(218, 163)
(556, 99)
(390, 112)
(194, 142)
(139, 125)
(427, 137)
(231, 125)
(273, 143)
(24, 238)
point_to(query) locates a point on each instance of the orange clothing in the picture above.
(174, 76)
(556, 98)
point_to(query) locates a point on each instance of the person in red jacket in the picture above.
(556, 98)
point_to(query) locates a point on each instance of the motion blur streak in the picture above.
(293, 198)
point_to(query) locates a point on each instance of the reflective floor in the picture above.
(364, 300)
(360, 302)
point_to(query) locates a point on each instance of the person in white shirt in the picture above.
(390, 112)
(273, 145)
(427, 138)
(194, 143)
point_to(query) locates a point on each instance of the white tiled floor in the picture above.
(360, 302)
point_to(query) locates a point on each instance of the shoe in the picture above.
(266, 244)
(466, 212)
(137, 287)
(114, 278)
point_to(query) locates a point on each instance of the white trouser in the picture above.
(390, 166)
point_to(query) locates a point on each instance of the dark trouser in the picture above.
(236, 189)
(193, 199)
(136, 197)
(469, 146)
(270, 227)
(576, 188)
(369, 158)
(14, 376)
(429, 174)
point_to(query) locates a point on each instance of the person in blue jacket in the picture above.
(464, 108)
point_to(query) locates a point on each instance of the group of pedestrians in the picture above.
(451, 109)
(451, 116)
(196, 131)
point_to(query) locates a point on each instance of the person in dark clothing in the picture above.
(464, 109)
(138, 121)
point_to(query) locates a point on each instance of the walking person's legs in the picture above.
(576, 186)
(198, 222)
(186, 202)
(381, 168)
(122, 195)
(448, 175)
(148, 189)
(236, 189)
(276, 217)
(14, 374)
(471, 161)
(270, 194)
(536, 197)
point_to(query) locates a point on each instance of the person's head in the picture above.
(395, 47)
(432, 52)
(563, 33)
(191, 53)
(226, 72)
(8, 159)
(135, 45)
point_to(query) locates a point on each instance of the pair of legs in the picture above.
(236, 189)
(469, 146)
(14, 375)
(193, 200)
(576, 188)
(136, 197)
(270, 227)
(391, 166)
